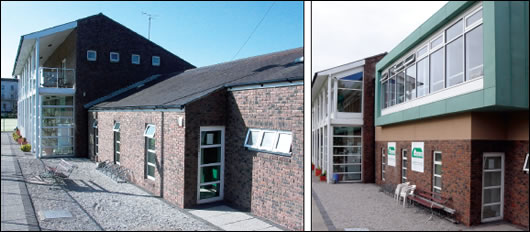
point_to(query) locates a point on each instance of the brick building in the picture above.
(67, 66)
(343, 121)
(229, 132)
(451, 110)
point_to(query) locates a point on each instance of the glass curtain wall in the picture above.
(347, 155)
(57, 125)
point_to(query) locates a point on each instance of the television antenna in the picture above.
(150, 16)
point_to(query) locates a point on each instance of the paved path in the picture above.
(230, 219)
(17, 210)
(364, 207)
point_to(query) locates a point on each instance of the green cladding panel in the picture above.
(505, 28)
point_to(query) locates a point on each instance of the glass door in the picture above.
(492, 187)
(347, 154)
(211, 165)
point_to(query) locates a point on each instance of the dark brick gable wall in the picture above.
(368, 129)
(269, 185)
(98, 78)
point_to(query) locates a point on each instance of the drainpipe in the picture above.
(163, 171)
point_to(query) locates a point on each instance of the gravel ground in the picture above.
(98, 203)
(363, 206)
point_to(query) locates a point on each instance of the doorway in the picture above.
(210, 176)
(492, 187)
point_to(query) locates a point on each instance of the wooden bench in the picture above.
(434, 201)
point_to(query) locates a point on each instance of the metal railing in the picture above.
(57, 77)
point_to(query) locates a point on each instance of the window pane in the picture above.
(492, 195)
(422, 51)
(383, 94)
(492, 163)
(350, 131)
(347, 150)
(67, 131)
(400, 87)
(474, 53)
(58, 100)
(150, 131)
(284, 143)
(423, 77)
(150, 144)
(454, 31)
(210, 137)
(117, 136)
(253, 137)
(474, 18)
(60, 141)
(350, 84)
(392, 90)
(57, 112)
(410, 83)
(438, 181)
(347, 141)
(455, 62)
(346, 168)
(150, 171)
(436, 42)
(349, 177)
(117, 147)
(209, 191)
(349, 101)
(438, 169)
(492, 179)
(437, 62)
(346, 159)
(151, 157)
(404, 172)
(210, 174)
(492, 211)
(211, 155)
(438, 156)
(268, 140)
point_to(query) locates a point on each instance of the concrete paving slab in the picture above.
(230, 219)
(250, 224)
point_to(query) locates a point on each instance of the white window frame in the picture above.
(153, 58)
(434, 175)
(88, 56)
(132, 59)
(150, 135)
(383, 164)
(114, 60)
(427, 44)
(117, 153)
(147, 163)
(273, 149)
(116, 127)
(96, 137)
(525, 168)
(404, 158)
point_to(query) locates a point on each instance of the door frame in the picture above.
(501, 216)
(221, 183)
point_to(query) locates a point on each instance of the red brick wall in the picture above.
(271, 186)
(170, 185)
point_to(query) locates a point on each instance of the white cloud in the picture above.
(343, 32)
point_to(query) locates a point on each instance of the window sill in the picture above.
(269, 152)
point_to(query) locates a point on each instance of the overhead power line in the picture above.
(255, 28)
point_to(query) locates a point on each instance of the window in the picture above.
(269, 141)
(437, 172)
(91, 55)
(526, 164)
(135, 59)
(451, 56)
(400, 87)
(404, 163)
(347, 153)
(437, 78)
(474, 53)
(150, 131)
(117, 144)
(150, 157)
(383, 164)
(349, 93)
(114, 57)
(96, 137)
(156, 60)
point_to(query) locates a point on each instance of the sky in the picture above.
(343, 32)
(202, 33)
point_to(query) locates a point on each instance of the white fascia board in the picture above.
(52, 30)
(267, 85)
(342, 68)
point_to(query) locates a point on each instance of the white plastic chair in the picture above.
(398, 190)
(406, 192)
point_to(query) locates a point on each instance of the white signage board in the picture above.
(417, 155)
(392, 154)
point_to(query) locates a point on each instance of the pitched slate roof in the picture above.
(178, 89)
